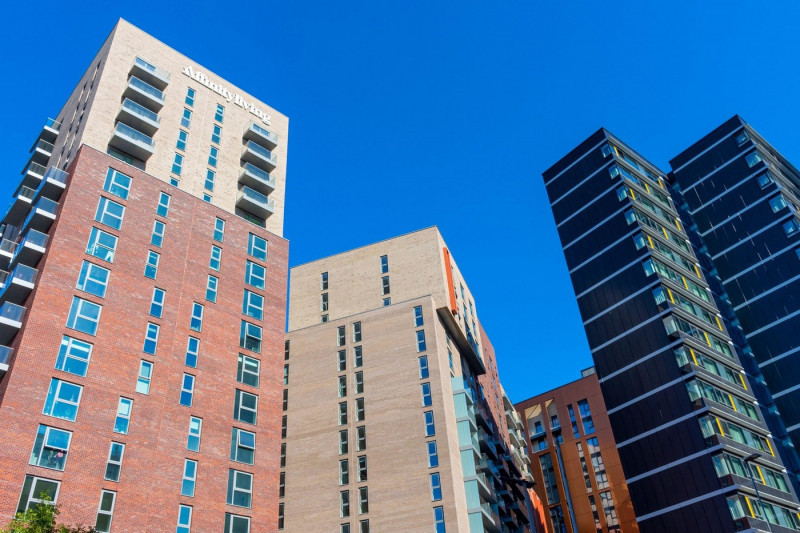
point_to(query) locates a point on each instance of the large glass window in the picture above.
(255, 275)
(50, 448)
(117, 183)
(240, 488)
(105, 511)
(114, 464)
(184, 519)
(32, 491)
(84, 316)
(123, 419)
(93, 279)
(243, 446)
(247, 371)
(62, 400)
(253, 305)
(102, 245)
(250, 337)
(257, 247)
(236, 524)
(73, 356)
(109, 213)
(245, 407)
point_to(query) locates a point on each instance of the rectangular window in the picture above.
(343, 413)
(752, 159)
(362, 468)
(361, 438)
(62, 400)
(421, 346)
(385, 285)
(243, 446)
(358, 382)
(253, 305)
(356, 331)
(426, 395)
(190, 93)
(285, 399)
(195, 431)
(430, 427)
(387, 302)
(280, 510)
(196, 322)
(192, 352)
(186, 118)
(216, 256)
(360, 414)
(791, 227)
(245, 407)
(340, 339)
(213, 153)
(433, 456)
(384, 264)
(114, 464)
(151, 267)
(436, 487)
(358, 356)
(211, 288)
(177, 164)
(282, 485)
(424, 373)
(184, 519)
(324, 302)
(162, 209)
(777, 203)
(73, 356)
(586, 417)
(438, 520)
(181, 143)
(215, 134)
(210, 177)
(344, 528)
(145, 375)
(236, 524)
(344, 472)
(765, 179)
(32, 491)
(250, 337)
(220, 113)
(123, 418)
(247, 371)
(109, 213)
(341, 360)
(151, 338)
(157, 238)
(187, 390)
(418, 316)
(283, 455)
(157, 302)
(344, 503)
(219, 230)
(323, 282)
(240, 488)
(363, 500)
(50, 448)
(285, 374)
(117, 183)
(343, 441)
(189, 478)
(363, 526)
(102, 245)
(257, 247)
(105, 511)
(84, 316)
(342, 386)
(255, 275)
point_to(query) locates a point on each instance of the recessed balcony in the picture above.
(33, 175)
(144, 94)
(261, 135)
(132, 141)
(138, 117)
(20, 205)
(5, 359)
(254, 202)
(257, 179)
(50, 130)
(18, 284)
(30, 249)
(155, 76)
(11, 317)
(7, 249)
(41, 152)
(259, 156)
(41, 216)
(54, 183)
(489, 517)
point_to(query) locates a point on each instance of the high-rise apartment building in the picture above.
(394, 416)
(142, 307)
(693, 444)
(574, 459)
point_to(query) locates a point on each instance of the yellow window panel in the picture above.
(650, 240)
(694, 357)
(750, 506)
(671, 297)
(761, 475)
(665, 232)
(769, 445)
(719, 425)
(719, 324)
(733, 403)
(708, 341)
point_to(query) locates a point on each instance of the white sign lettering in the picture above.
(229, 97)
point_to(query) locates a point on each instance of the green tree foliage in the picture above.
(42, 519)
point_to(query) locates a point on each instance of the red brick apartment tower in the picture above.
(143, 300)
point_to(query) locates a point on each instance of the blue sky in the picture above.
(405, 115)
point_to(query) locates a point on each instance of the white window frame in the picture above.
(242, 369)
(151, 267)
(196, 321)
(157, 302)
(189, 478)
(95, 237)
(194, 433)
(37, 456)
(35, 499)
(233, 489)
(236, 441)
(111, 461)
(157, 238)
(121, 415)
(255, 275)
(78, 305)
(427, 397)
(162, 209)
(105, 214)
(358, 382)
(255, 248)
(247, 332)
(189, 391)
(360, 410)
(56, 388)
(68, 351)
(238, 401)
(112, 184)
(357, 331)
(229, 522)
(151, 335)
(184, 526)
(143, 380)
(219, 230)
(193, 350)
(418, 320)
(216, 258)
(253, 305)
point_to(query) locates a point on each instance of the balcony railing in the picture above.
(257, 154)
(254, 202)
(132, 141)
(35, 170)
(12, 312)
(55, 181)
(254, 131)
(152, 74)
(41, 215)
(257, 178)
(140, 117)
(144, 93)
(5, 355)
(41, 151)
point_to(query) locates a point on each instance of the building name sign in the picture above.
(229, 97)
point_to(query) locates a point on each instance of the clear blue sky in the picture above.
(405, 115)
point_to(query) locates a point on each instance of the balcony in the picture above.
(259, 156)
(30, 250)
(41, 216)
(144, 70)
(132, 141)
(139, 117)
(254, 202)
(7, 248)
(257, 179)
(41, 152)
(20, 205)
(50, 130)
(491, 522)
(11, 317)
(261, 135)
(144, 94)
(17, 284)
(54, 183)
(33, 175)
(485, 487)
(5, 358)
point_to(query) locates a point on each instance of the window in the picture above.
(190, 97)
(117, 183)
(438, 520)
(285, 374)
(177, 164)
(342, 386)
(765, 179)
(324, 302)
(247, 371)
(151, 338)
(791, 227)
(323, 282)
(102, 245)
(340, 339)
(342, 360)
(145, 374)
(243, 446)
(215, 134)
(240, 488)
(433, 456)
(361, 438)
(73, 356)
(253, 305)
(187, 390)
(597, 462)
(174, 181)
(280, 509)
(32, 490)
(356, 331)
(282, 485)
(210, 177)
(421, 341)
(216, 255)
(236, 524)
(418, 316)
(285, 399)
(430, 427)
(186, 118)
(363, 526)
(245, 408)
(549, 475)
(343, 413)
(344, 528)
(426, 395)
(344, 472)
(753, 158)
(283, 455)
(157, 303)
(114, 463)
(424, 373)
(255, 275)
(608, 509)
(196, 322)
(777, 203)
(151, 267)
(359, 382)
(123, 419)
(363, 500)
(218, 116)
(436, 487)
(105, 511)
(358, 356)
(192, 352)
(742, 138)
(384, 264)
(62, 400)
(257, 247)
(362, 468)
(387, 302)
(213, 153)
(50, 448)
(162, 209)
(219, 229)
(158, 233)
(181, 143)
(195, 430)
(359, 409)
(344, 503)
(343, 441)
(189, 477)
(385, 285)
(250, 337)
(586, 417)
(109, 213)
(84, 316)
(184, 519)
